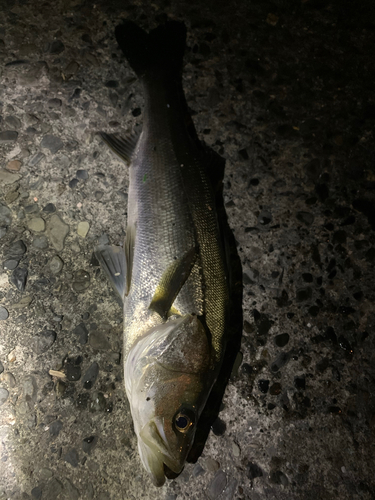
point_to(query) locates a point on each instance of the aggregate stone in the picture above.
(217, 485)
(82, 174)
(36, 224)
(98, 402)
(3, 231)
(7, 178)
(54, 103)
(35, 159)
(81, 281)
(14, 165)
(89, 443)
(5, 216)
(71, 492)
(10, 380)
(37, 492)
(57, 231)
(282, 339)
(103, 239)
(8, 136)
(32, 209)
(253, 471)
(13, 122)
(82, 333)
(52, 143)
(56, 264)
(40, 242)
(53, 489)
(19, 277)
(1, 367)
(56, 47)
(11, 196)
(99, 341)
(16, 250)
(29, 388)
(3, 395)
(4, 314)
(24, 301)
(281, 360)
(230, 490)
(49, 208)
(305, 217)
(71, 69)
(83, 229)
(72, 372)
(73, 183)
(44, 341)
(55, 428)
(219, 427)
(90, 376)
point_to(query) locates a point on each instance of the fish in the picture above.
(171, 273)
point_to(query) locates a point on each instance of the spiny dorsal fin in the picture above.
(124, 147)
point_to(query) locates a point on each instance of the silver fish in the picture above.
(171, 274)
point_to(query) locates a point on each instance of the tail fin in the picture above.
(160, 51)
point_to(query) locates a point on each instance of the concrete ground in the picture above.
(283, 90)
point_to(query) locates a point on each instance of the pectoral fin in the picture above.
(113, 263)
(124, 147)
(171, 283)
(129, 253)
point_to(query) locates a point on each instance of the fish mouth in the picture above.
(156, 455)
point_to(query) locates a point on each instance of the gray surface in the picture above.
(283, 91)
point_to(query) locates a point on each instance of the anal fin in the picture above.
(113, 263)
(171, 283)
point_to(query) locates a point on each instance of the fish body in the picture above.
(171, 273)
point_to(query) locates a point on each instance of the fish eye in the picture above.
(183, 420)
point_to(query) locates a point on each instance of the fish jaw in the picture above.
(155, 452)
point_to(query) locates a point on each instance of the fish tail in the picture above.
(158, 52)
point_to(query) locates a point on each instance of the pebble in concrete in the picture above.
(81, 281)
(56, 264)
(5, 216)
(8, 136)
(90, 376)
(44, 341)
(83, 229)
(217, 485)
(82, 333)
(4, 314)
(8, 177)
(19, 278)
(10, 380)
(57, 231)
(35, 159)
(49, 208)
(3, 395)
(99, 341)
(36, 224)
(14, 165)
(52, 143)
(16, 250)
(72, 457)
(40, 242)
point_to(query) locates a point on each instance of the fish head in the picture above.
(168, 377)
